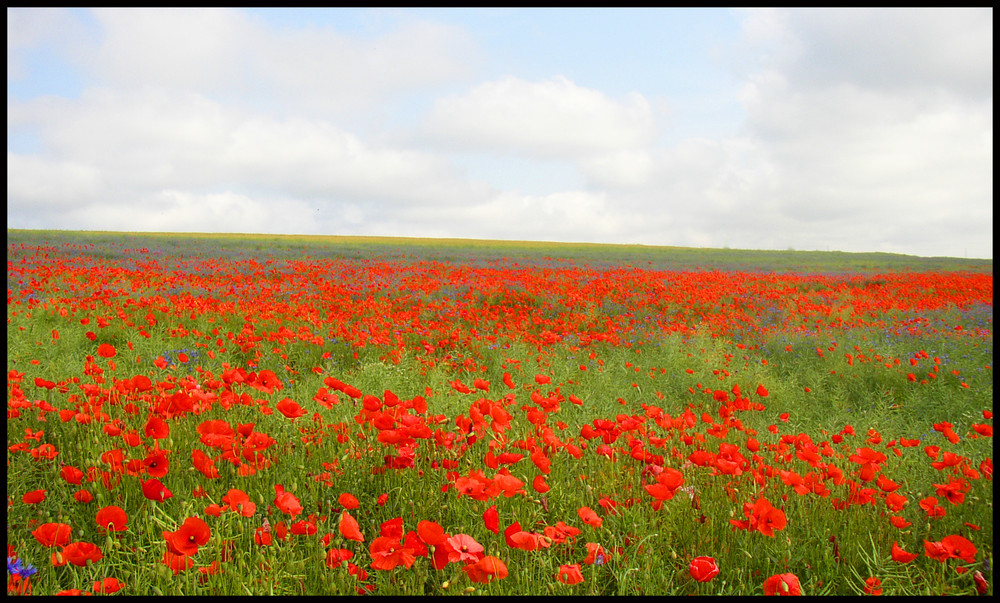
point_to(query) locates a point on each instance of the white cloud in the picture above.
(158, 140)
(895, 49)
(227, 54)
(865, 130)
(550, 118)
(37, 183)
(877, 125)
(33, 29)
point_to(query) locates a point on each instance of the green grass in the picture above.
(477, 250)
(651, 549)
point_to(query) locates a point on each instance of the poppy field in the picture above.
(245, 418)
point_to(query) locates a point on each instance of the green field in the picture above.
(595, 418)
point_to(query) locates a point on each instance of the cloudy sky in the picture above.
(851, 130)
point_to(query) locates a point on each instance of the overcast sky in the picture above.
(839, 129)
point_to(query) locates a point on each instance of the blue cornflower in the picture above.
(14, 567)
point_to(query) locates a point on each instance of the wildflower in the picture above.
(486, 570)
(53, 534)
(959, 547)
(561, 532)
(761, 516)
(334, 557)
(901, 556)
(186, 539)
(873, 586)
(112, 518)
(286, 501)
(348, 501)
(72, 475)
(589, 517)
(290, 408)
(153, 489)
(463, 548)
(157, 464)
(177, 563)
(33, 497)
(107, 586)
(156, 428)
(570, 574)
(596, 555)
(16, 567)
(388, 553)
(79, 553)
(491, 519)
(782, 585)
(349, 528)
(703, 569)
(982, 586)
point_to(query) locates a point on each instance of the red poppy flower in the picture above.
(156, 428)
(79, 553)
(83, 496)
(349, 528)
(156, 464)
(33, 497)
(107, 586)
(901, 556)
(177, 563)
(290, 408)
(595, 554)
(239, 501)
(508, 381)
(589, 517)
(303, 528)
(388, 553)
(463, 548)
(186, 539)
(761, 516)
(431, 533)
(570, 574)
(53, 534)
(486, 570)
(335, 557)
(935, 550)
(491, 518)
(204, 464)
(106, 350)
(959, 547)
(703, 569)
(873, 586)
(348, 501)
(154, 490)
(262, 536)
(112, 518)
(667, 483)
(762, 391)
(72, 475)
(561, 532)
(982, 586)
(286, 501)
(782, 585)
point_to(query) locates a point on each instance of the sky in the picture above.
(812, 129)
